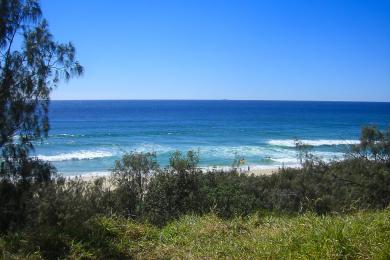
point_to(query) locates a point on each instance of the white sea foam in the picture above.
(243, 168)
(285, 160)
(260, 152)
(91, 174)
(79, 155)
(146, 147)
(266, 156)
(66, 135)
(230, 151)
(319, 142)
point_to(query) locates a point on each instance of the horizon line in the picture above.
(224, 99)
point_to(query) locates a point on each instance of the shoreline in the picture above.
(265, 171)
(257, 171)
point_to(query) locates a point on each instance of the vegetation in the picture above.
(363, 235)
(31, 65)
(337, 209)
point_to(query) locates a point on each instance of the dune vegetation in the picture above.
(328, 210)
(362, 235)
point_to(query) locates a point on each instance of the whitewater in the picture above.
(86, 137)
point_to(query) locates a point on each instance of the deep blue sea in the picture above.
(86, 137)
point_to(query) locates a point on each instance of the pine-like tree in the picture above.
(31, 65)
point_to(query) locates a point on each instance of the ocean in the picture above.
(86, 137)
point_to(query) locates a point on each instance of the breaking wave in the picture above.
(320, 142)
(79, 155)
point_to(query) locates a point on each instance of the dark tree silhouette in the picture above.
(31, 65)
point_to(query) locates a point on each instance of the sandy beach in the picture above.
(254, 171)
(266, 171)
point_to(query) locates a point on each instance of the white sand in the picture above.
(255, 171)
(266, 171)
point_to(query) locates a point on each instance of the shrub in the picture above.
(175, 190)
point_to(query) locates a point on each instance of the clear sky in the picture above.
(283, 50)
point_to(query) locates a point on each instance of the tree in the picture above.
(31, 65)
(374, 144)
(175, 190)
(131, 175)
(181, 164)
(303, 151)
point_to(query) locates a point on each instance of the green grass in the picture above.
(361, 235)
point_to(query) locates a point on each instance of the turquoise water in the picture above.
(86, 137)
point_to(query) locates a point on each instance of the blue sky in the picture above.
(267, 50)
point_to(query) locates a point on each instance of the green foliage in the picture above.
(184, 164)
(130, 176)
(69, 203)
(15, 194)
(257, 237)
(31, 65)
(338, 186)
(109, 218)
(45, 217)
(363, 235)
(229, 194)
(175, 190)
(304, 154)
(374, 144)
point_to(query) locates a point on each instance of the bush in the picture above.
(174, 191)
(130, 176)
(70, 218)
(16, 190)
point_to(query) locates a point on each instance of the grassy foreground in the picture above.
(361, 235)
